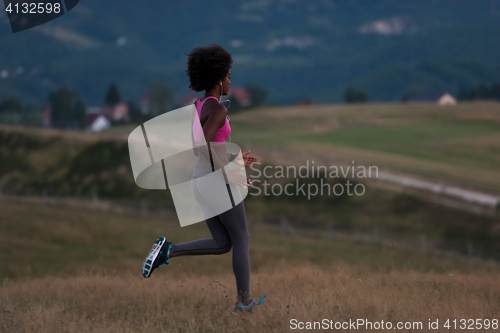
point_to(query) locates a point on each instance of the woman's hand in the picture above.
(247, 159)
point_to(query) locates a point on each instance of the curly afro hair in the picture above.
(207, 66)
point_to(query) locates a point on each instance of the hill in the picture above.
(293, 49)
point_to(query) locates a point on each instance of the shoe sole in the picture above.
(151, 257)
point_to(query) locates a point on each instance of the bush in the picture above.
(353, 95)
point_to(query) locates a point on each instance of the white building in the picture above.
(97, 123)
(447, 99)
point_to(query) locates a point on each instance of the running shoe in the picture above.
(239, 307)
(156, 257)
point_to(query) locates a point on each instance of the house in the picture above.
(440, 99)
(241, 95)
(188, 99)
(447, 99)
(100, 118)
(46, 116)
(119, 112)
(97, 122)
(144, 103)
(424, 97)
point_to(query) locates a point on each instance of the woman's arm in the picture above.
(210, 128)
(220, 158)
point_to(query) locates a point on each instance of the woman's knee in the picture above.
(227, 247)
(224, 245)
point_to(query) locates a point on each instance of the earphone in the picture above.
(227, 100)
(220, 98)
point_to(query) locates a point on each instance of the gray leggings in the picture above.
(228, 229)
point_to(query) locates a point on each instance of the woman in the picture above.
(209, 71)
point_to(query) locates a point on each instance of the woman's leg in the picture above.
(219, 244)
(228, 229)
(236, 225)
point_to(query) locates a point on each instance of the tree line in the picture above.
(68, 109)
(481, 91)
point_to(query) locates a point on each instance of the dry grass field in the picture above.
(95, 302)
(68, 269)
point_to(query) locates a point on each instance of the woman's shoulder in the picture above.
(213, 106)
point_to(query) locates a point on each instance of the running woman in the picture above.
(209, 71)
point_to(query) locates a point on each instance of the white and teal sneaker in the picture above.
(239, 307)
(156, 257)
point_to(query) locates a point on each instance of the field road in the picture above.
(455, 192)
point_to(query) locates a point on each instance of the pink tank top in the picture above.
(223, 132)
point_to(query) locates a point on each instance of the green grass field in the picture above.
(456, 144)
(55, 239)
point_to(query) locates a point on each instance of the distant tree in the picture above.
(465, 95)
(258, 94)
(112, 95)
(412, 92)
(162, 98)
(136, 116)
(482, 91)
(495, 91)
(10, 104)
(68, 109)
(352, 95)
